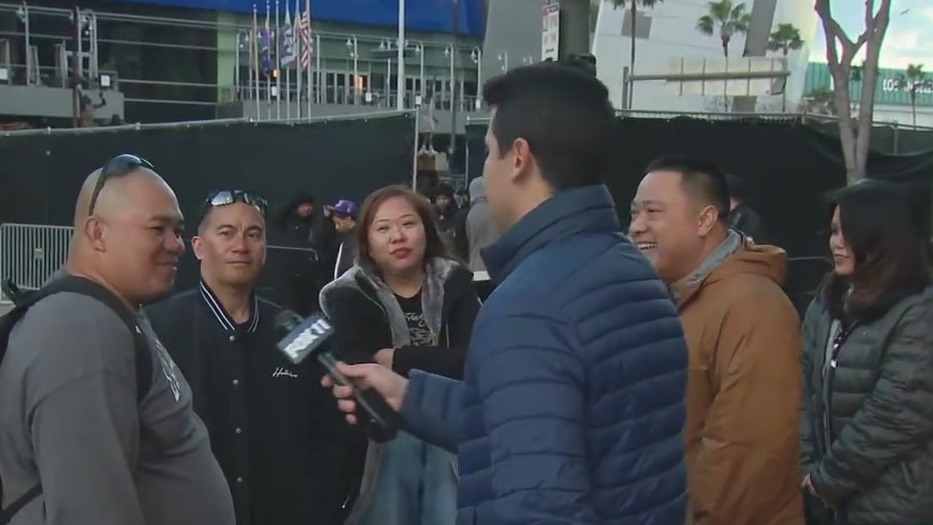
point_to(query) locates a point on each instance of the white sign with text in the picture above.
(550, 31)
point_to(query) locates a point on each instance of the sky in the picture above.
(909, 38)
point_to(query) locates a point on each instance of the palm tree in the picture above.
(725, 18)
(913, 80)
(633, 14)
(785, 38)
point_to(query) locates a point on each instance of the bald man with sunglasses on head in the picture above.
(274, 431)
(96, 421)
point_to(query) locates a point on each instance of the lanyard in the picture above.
(838, 341)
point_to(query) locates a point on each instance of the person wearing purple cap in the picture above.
(344, 214)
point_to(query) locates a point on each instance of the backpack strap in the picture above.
(80, 285)
(7, 514)
(83, 286)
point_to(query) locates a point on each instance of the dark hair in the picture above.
(586, 62)
(880, 226)
(737, 188)
(701, 178)
(442, 189)
(563, 113)
(434, 243)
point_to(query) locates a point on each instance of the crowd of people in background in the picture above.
(656, 376)
(324, 241)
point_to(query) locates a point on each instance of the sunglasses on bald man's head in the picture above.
(116, 167)
(227, 197)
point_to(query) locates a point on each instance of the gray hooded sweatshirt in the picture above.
(480, 230)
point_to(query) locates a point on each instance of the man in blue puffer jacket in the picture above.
(571, 408)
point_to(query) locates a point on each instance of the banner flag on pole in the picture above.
(266, 44)
(307, 52)
(296, 47)
(288, 57)
(288, 39)
(307, 47)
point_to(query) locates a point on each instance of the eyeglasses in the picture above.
(116, 167)
(226, 197)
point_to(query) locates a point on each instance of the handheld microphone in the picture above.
(305, 337)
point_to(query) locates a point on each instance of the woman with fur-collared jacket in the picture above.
(867, 421)
(405, 305)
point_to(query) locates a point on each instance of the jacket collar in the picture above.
(365, 279)
(588, 209)
(685, 289)
(223, 317)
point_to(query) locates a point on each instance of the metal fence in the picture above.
(31, 253)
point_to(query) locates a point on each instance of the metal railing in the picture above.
(30, 254)
(213, 122)
(49, 33)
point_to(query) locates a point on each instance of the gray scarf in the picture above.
(432, 299)
(683, 289)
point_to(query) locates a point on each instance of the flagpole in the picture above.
(310, 83)
(254, 61)
(268, 71)
(278, 62)
(400, 57)
(28, 39)
(296, 36)
(318, 72)
(290, 36)
(236, 66)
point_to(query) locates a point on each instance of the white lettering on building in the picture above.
(896, 84)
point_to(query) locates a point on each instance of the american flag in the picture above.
(304, 32)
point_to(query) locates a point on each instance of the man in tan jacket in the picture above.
(743, 336)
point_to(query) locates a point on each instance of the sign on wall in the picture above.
(550, 31)
(893, 89)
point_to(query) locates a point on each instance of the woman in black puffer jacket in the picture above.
(867, 420)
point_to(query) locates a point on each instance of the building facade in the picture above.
(667, 40)
(176, 60)
(893, 103)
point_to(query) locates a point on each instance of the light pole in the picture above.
(240, 44)
(477, 56)
(420, 50)
(504, 61)
(23, 14)
(400, 56)
(353, 46)
(449, 54)
(454, 51)
(77, 65)
(386, 47)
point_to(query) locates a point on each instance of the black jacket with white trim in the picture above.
(275, 432)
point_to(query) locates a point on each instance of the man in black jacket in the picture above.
(311, 235)
(742, 217)
(274, 431)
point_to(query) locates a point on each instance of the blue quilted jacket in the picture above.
(571, 408)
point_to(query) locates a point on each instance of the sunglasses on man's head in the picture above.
(227, 197)
(118, 166)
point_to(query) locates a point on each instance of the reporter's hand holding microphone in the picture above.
(365, 376)
(371, 395)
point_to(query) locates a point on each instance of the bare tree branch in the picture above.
(840, 53)
(877, 30)
(837, 33)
